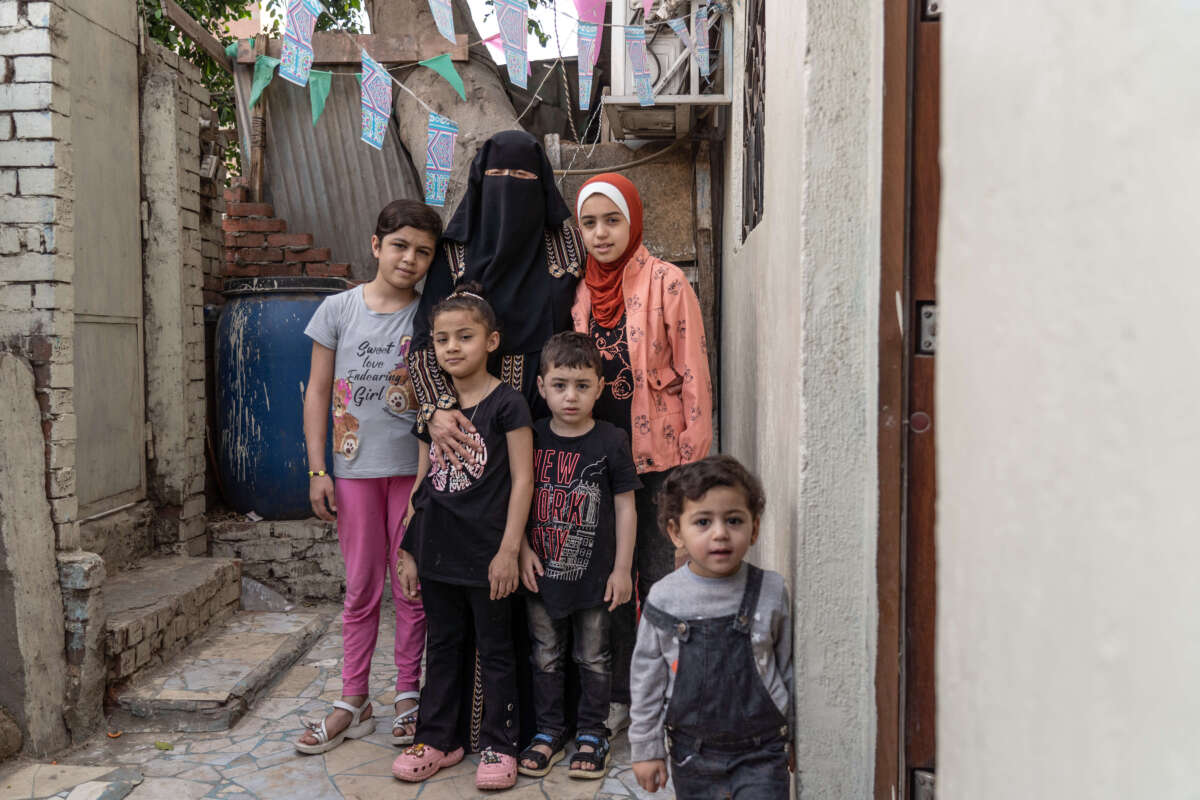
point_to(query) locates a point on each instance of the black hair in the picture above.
(571, 350)
(407, 214)
(468, 296)
(692, 481)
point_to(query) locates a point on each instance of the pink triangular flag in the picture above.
(647, 7)
(590, 10)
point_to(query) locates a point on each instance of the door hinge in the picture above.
(926, 328)
(923, 785)
(145, 212)
(149, 441)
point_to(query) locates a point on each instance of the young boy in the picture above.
(713, 660)
(578, 554)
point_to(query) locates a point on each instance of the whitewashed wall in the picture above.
(1068, 378)
(799, 361)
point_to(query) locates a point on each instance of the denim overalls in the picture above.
(728, 738)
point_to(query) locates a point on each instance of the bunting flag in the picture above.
(376, 101)
(589, 48)
(590, 10)
(680, 28)
(647, 7)
(443, 66)
(635, 44)
(318, 91)
(297, 56)
(701, 29)
(512, 16)
(443, 17)
(439, 157)
(264, 71)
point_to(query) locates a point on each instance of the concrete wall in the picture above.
(32, 667)
(1068, 636)
(799, 361)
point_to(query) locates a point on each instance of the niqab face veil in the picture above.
(503, 220)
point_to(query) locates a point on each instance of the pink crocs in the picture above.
(420, 761)
(496, 770)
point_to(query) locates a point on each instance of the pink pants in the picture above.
(370, 526)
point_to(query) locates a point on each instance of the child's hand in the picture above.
(651, 775)
(619, 589)
(503, 574)
(320, 493)
(406, 567)
(531, 567)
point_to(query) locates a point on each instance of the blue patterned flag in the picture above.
(589, 50)
(443, 17)
(702, 40)
(635, 43)
(297, 57)
(439, 158)
(680, 28)
(511, 16)
(376, 101)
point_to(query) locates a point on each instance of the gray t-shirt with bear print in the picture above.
(374, 405)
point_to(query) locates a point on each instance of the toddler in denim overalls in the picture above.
(712, 670)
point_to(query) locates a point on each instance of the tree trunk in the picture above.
(486, 111)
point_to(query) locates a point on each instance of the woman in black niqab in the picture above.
(508, 234)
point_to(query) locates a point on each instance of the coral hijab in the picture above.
(604, 280)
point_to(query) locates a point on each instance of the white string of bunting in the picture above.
(296, 60)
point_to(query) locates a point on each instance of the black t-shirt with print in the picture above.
(615, 403)
(460, 513)
(572, 526)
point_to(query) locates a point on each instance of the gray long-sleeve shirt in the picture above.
(686, 595)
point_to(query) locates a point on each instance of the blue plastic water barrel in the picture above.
(262, 363)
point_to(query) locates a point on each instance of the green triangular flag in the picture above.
(443, 66)
(264, 71)
(231, 50)
(318, 90)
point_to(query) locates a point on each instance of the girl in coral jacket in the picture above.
(645, 319)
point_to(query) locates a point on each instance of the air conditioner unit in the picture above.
(674, 73)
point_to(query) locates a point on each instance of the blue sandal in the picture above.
(544, 763)
(597, 760)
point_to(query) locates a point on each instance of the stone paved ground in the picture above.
(256, 758)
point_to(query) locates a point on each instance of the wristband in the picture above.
(318, 474)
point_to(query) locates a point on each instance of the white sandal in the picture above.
(409, 717)
(355, 730)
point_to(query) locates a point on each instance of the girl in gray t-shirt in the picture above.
(360, 340)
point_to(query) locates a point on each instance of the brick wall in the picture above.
(183, 207)
(36, 225)
(257, 244)
(299, 558)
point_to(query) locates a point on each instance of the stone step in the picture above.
(214, 681)
(158, 607)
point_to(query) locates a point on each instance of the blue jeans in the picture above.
(707, 773)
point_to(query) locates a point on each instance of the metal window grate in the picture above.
(754, 116)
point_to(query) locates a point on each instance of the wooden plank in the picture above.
(258, 134)
(706, 266)
(337, 47)
(197, 33)
(921, 569)
(889, 556)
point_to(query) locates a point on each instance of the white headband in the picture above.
(609, 191)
